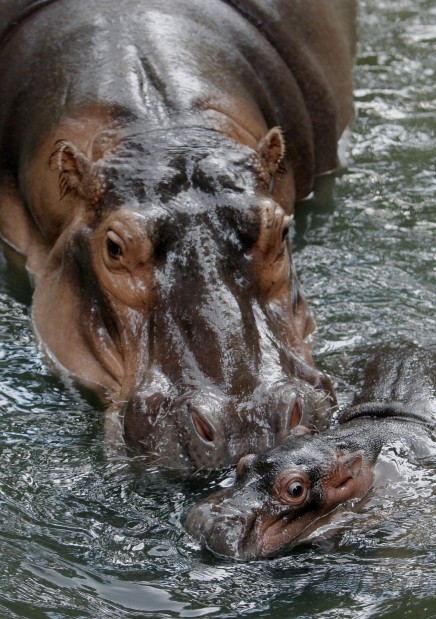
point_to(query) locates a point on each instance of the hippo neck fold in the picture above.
(394, 411)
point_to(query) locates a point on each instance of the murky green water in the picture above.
(85, 536)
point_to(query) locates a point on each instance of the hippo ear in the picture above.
(350, 464)
(269, 154)
(77, 173)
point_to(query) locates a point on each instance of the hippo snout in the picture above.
(179, 431)
(206, 428)
(225, 532)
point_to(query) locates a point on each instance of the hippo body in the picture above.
(280, 497)
(150, 156)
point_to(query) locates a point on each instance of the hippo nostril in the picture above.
(296, 415)
(202, 427)
(289, 409)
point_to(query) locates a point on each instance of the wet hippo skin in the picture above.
(151, 153)
(285, 494)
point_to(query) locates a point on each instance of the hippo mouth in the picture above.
(286, 532)
(244, 537)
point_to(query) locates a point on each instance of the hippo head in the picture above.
(171, 285)
(279, 498)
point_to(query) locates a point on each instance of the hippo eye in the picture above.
(290, 488)
(114, 245)
(114, 249)
(296, 489)
(285, 228)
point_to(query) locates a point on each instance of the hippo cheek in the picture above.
(150, 430)
(317, 399)
(349, 481)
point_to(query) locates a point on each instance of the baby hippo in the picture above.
(281, 496)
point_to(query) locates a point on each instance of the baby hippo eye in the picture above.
(290, 488)
(296, 489)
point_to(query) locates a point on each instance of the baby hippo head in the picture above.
(279, 497)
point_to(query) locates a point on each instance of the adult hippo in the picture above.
(282, 496)
(144, 177)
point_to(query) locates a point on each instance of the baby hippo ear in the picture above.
(269, 154)
(77, 173)
(350, 463)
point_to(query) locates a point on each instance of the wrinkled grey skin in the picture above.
(281, 496)
(146, 183)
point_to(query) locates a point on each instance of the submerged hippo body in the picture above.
(144, 178)
(282, 496)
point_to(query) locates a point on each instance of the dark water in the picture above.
(84, 535)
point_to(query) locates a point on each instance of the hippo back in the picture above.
(13, 12)
(399, 382)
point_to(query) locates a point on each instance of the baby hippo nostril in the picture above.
(202, 427)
